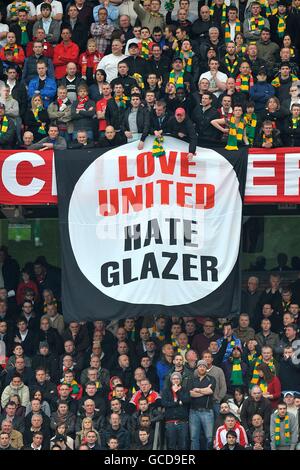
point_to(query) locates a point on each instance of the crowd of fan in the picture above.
(80, 74)
(227, 384)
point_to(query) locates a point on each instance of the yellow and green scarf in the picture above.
(281, 26)
(188, 62)
(245, 82)
(4, 126)
(235, 135)
(122, 101)
(41, 129)
(139, 79)
(227, 30)
(224, 12)
(242, 52)
(236, 376)
(15, 50)
(263, 385)
(255, 375)
(24, 34)
(232, 68)
(174, 342)
(255, 23)
(177, 80)
(157, 334)
(276, 82)
(14, 9)
(250, 122)
(270, 11)
(295, 122)
(157, 148)
(287, 432)
(145, 52)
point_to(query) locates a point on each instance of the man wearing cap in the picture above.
(201, 419)
(181, 127)
(7, 130)
(50, 25)
(289, 400)
(135, 63)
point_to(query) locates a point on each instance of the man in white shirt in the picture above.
(109, 63)
(217, 80)
(56, 9)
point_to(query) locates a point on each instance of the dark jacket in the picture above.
(28, 344)
(30, 71)
(48, 390)
(250, 408)
(16, 28)
(175, 410)
(137, 65)
(49, 363)
(156, 125)
(206, 132)
(113, 114)
(290, 136)
(122, 434)
(84, 119)
(7, 139)
(27, 376)
(119, 139)
(185, 127)
(53, 35)
(127, 82)
(142, 121)
(260, 93)
(76, 145)
(289, 375)
(33, 126)
(82, 339)
(19, 93)
(52, 337)
(258, 141)
(160, 67)
(79, 33)
(10, 269)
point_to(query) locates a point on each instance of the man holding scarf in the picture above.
(281, 23)
(22, 29)
(17, 52)
(254, 25)
(283, 429)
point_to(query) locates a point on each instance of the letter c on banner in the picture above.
(9, 174)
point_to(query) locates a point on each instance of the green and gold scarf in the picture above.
(14, 9)
(257, 23)
(235, 135)
(176, 80)
(41, 129)
(188, 62)
(236, 376)
(145, 52)
(250, 122)
(295, 122)
(281, 26)
(24, 34)
(227, 30)
(4, 126)
(122, 101)
(157, 148)
(255, 375)
(231, 67)
(224, 15)
(276, 82)
(287, 432)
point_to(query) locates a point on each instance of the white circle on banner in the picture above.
(155, 272)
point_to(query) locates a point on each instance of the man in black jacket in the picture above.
(116, 106)
(159, 64)
(181, 127)
(136, 123)
(231, 442)
(134, 62)
(112, 138)
(256, 404)
(7, 130)
(78, 29)
(124, 78)
(17, 89)
(267, 136)
(159, 119)
(202, 116)
(22, 37)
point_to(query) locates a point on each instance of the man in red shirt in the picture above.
(65, 52)
(101, 107)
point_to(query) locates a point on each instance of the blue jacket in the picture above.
(47, 93)
(233, 343)
(162, 370)
(260, 93)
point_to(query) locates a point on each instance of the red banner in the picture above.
(28, 177)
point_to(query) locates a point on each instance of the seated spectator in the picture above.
(40, 36)
(101, 30)
(83, 111)
(115, 429)
(30, 64)
(230, 424)
(27, 281)
(231, 442)
(7, 129)
(291, 129)
(15, 437)
(283, 81)
(69, 379)
(77, 27)
(112, 138)
(66, 51)
(22, 28)
(18, 55)
(88, 62)
(43, 405)
(16, 386)
(37, 425)
(82, 141)
(81, 436)
(60, 433)
(42, 84)
(59, 112)
(5, 441)
(37, 119)
(53, 141)
(267, 136)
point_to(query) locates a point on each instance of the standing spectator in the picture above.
(101, 30)
(43, 84)
(64, 52)
(269, 384)
(50, 25)
(16, 50)
(201, 420)
(256, 404)
(136, 122)
(37, 118)
(78, 29)
(181, 126)
(283, 429)
(59, 112)
(88, 62)
(255, 24)
(83, 110)
(109, 63)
